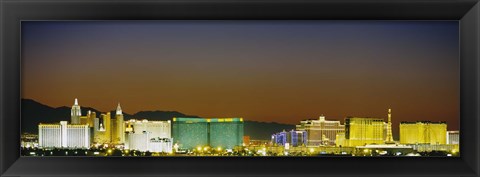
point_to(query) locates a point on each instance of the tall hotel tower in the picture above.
(119, 133)
(389, 138)
(75, 113)
(321, 131)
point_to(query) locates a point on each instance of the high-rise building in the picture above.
(137, 141)
(83, 120)
(293, 138)
(453, 137)
(144, 142)
(157, 129)
(189, 133)
(102, 132)
(363, 131)
(279, 138)
(423, 132)
(160, 145)
(75, 113)
(64, 135)
(118, 127)
(319, 130)
(144, 135)
(340, 140)
(91, 118)
(223, 133)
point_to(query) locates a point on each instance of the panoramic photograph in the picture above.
(240, 88)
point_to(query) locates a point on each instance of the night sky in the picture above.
(281, 71)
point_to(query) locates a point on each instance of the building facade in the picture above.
(160, 145)
(363, 131)
(423, 132)
(144, 135)
(102, 130)
(137, 141)
(292, 138)
(75, 113)
(190, 133)
(29, 140)
(160, 129)
(225, 132)
(64, 135)
(321, 131)
(118, 127)
(453, 137)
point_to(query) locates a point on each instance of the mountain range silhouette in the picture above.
(33, 113)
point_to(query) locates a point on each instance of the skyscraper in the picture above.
(91, 118)
(144, 135)
(102, 132)
(293, 138)
(119, 128)
(189, 133)
(363, 131)
(63, 135)
(75, 113)
(223, 133)
(321, 131)
(423, 132)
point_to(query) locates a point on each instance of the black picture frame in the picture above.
(467, 12)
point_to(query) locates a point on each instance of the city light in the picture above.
(225, 137)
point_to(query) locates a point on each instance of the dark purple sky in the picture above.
(282, 71)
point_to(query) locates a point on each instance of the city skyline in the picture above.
(273, 72)
(89, 135)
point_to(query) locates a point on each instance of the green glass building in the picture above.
(190, 133)
(226, 133)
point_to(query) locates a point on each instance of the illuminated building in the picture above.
(318, 131)
(423, 132)
(453, 137)
(83, 119)
(63, 135)
(389, 138)
(246, 140)
(157, 129)
(29, 140)
(144, 135)
(118, 127)
(363, 131)
(160, 145)
(91, 118)
(190, 133)
(340, 139)
(144, 142)
(225, 132)
(75, 113)
(280, 138)
(293, 138)
(102, 132)
(137, 141)
(454, 148)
